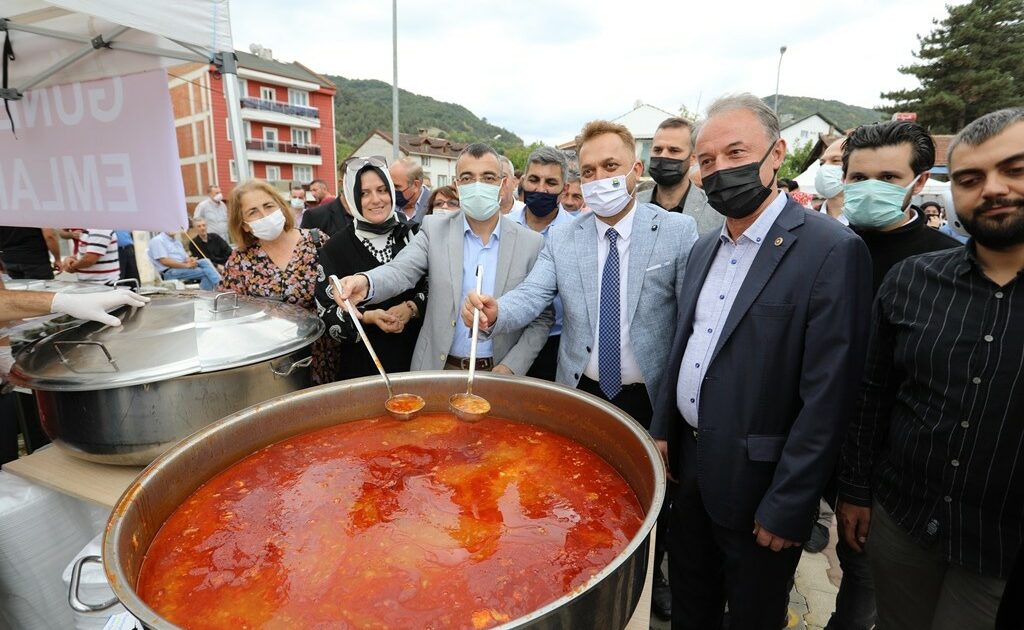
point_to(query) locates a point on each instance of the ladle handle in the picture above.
(362, 335)
(476, 330)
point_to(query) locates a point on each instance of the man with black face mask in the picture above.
(932, 479)
(671, 158)
(768, 351)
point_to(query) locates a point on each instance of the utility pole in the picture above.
(778, 73)
(394, 82)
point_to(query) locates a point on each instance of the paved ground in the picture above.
(814, 595)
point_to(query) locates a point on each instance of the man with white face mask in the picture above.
(172, 262)
(215, 211)
(828, 181)
(447, 250)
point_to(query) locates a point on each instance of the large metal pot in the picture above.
(124, 395)
(607, 601)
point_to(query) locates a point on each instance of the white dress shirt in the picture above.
(630, 369)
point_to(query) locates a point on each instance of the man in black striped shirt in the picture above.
(933, 465)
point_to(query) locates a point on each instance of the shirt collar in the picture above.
(758, 230)
(624, 227)
(468, 231)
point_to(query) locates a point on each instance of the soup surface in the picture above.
(380, 523)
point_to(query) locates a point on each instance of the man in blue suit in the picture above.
(766, 361)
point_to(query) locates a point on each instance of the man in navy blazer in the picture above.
(766, 360)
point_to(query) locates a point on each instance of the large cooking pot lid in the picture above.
(177, 333)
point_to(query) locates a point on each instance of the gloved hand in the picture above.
(94, 306)
(6, 361)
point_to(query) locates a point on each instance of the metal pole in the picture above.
(228, 65)
(778, 73)
(394, 83)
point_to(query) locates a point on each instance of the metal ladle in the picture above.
(469, 406)
(401, 406)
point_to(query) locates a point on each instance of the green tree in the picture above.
(972, 64)
(518, 154)
(794, 161)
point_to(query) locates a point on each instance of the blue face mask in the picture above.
(873, 203)
(541, 204)
(479, 200)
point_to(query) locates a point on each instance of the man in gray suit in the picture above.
(671, 158)
(411, 193)
(447, 249)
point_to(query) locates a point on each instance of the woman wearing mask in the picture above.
(275, 259)
(375, 238)
(445, 198)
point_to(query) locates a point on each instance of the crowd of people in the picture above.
(862, 359)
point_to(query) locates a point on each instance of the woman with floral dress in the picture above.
(275, 259)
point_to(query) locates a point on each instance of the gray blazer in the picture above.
(660, 245)
(696, 205)
(436, 252)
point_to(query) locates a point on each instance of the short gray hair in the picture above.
(507, 165)
(548, 155)
(413, 168)
(573, 174)
(984, 128)
(765, 115)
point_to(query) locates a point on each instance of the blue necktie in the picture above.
(609, 367)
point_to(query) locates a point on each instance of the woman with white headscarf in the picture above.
(375, 237)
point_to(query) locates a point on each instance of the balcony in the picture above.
(281, 108)
(285, 152)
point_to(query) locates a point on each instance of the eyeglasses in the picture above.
(487, 178)
(446, 203)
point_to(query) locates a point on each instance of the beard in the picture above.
(996, 232)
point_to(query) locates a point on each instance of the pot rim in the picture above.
(126, 593)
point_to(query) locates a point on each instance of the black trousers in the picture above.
(545, 366)
(710, 565)
(20, 271)
(126, 259)
(633, 399)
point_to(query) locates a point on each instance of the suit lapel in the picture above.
(644, 236)
(456, 232)
(586, 253)
(506, 251)
(770, 254)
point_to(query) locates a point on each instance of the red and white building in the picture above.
(287, 112)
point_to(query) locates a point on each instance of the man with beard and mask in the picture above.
(543, 183)
(447, 250)
(764, 365)
(671, 157)
(828, 181)
(932, 480)
(411, 195)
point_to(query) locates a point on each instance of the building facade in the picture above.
(807, 130)
(288, 116)
(436, 155)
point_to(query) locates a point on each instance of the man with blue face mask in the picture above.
(447, 250)
(884, 165)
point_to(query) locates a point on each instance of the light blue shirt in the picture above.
(164, 246)
(725, 278)
(519, 216)
(475, 252)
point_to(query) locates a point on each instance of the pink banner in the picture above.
(98, 154)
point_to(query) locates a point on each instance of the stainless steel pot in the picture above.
(124, 395)
(606, 601)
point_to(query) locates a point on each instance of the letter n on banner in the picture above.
(98, 154)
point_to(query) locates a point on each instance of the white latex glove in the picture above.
(94, 306)
(6, 361)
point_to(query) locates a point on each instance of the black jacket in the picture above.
(215, 248)
(330, 218)
(889, 248)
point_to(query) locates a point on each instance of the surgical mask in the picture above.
(541, 204)
(607, 197)
(829, 180)
(269, 227)
(667, 171)
(218, 197)
(737, 192)
(479, 200)
(400, 200)
(297, 203)
(872, 203)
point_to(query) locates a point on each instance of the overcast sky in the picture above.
(541, 68)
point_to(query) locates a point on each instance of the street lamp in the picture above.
(782, 51)
(394, 83)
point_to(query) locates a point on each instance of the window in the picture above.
(232, 170)
(300, 136)
(248, 130)
(269, 139)
(243, 88)
(273, 173)
(227, 123)
(268, 94)
(425, 160)
(302, 174)
(805, 133)
(442, 180)
(298, 97)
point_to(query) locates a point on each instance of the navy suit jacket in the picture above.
(774, 402)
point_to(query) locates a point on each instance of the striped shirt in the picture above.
(937, 435)
(103, 243)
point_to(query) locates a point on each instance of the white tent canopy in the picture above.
(62, 41)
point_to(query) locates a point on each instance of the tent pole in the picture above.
(227, 63)
(98, 43)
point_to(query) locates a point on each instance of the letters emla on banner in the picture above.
(98, 154)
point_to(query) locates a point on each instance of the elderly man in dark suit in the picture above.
(774, 312)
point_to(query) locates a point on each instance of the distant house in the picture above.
(642, 121)
(437, 155)
(807, 129)
(287, 114)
